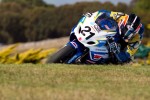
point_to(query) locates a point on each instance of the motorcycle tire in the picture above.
(62, 55)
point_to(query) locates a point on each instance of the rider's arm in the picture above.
(119, 55)
(135, 41)
(132, 47)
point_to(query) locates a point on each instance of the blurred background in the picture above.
(34, 20)
(31, 21)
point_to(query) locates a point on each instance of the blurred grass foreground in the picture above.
(74, 82)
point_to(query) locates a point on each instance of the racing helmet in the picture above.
(129, 26)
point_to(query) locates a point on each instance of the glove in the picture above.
(115, 49)
(113, 46)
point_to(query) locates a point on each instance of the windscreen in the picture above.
(106, 23)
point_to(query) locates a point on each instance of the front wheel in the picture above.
(62, 55)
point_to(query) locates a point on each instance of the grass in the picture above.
(74, 82)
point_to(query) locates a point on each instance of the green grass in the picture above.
(74, 82)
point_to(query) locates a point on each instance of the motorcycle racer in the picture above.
(129, 34)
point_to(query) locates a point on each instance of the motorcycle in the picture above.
(89, 42)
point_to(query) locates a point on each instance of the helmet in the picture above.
(129, 26)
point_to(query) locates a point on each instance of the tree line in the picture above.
(34, 20)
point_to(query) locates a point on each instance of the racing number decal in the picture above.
(87, 29)
(91, 34)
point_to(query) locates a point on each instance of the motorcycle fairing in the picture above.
(92, 37)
